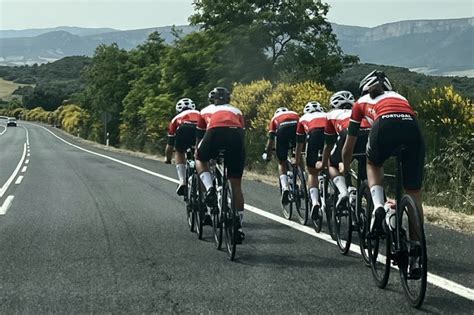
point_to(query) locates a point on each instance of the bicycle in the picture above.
(397, 247)
(327, 203)
(353, 216)
(227, 219)
(195, 208)
(298, 192)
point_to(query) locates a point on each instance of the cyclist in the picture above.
(394, 124)
(221, 126)
(335, 133)
(310, 128)
(282, 128)
(181, 137)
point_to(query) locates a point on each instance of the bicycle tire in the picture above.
(216, 217)
(363, 228)
(342, 219)
(380, 269)
(200, 211)
(317, 224)
(191, 199)
(229, 220)
(330, 202)
(287, 210)
(301, 198)
(415, 295)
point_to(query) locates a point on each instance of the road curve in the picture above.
(87, 234)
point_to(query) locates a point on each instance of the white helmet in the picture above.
(312, 107)
(341, 98)
(372, 79)
(280, 110)
(185, 103)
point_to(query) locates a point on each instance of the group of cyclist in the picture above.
(372, 127)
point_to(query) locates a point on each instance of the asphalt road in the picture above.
(88, 234)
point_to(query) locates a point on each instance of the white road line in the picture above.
(24, 169)
(27, 138)
(28, 155)
(6, 205)
(438, 281)
(4, 130)
(27, 161)
(15, 172)
(18, 180)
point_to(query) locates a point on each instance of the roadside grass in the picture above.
(439, 216)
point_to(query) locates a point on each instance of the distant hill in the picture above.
(437, 47)
(81, 31)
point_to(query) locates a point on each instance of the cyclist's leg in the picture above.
(184, 139)
(338, 179)
(282, 145)
(204, 153)
(313, 155)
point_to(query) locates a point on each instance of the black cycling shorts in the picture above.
(229, 139)
(185, 137)
(285, 135)
(392, 131)
(315, 146)
(360, 146)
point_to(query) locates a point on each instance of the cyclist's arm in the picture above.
(171, 138)
(347, 151)
(168, 153)
(270, 144)
(330, 137)
(300, 141)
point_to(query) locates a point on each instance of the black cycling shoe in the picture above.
(207, 220)
(181, 190)
(211, 198)
(240, 236)
(285, 197)
(315, 215)
(414, 272)
(378, 217)
(342, 202)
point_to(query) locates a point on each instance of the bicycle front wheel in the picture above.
(229, 220)
(301, 197)
(413, 264)
(378, 247)
(343, 227)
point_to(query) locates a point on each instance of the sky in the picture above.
(135, 14)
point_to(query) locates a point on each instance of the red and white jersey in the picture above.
(338, 120)
(282, 118)
(185, 117)
(310, 122)
(214, 116)
(387, 103)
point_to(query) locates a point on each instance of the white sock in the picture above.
(314, 193)
(181, 170)
(377, 196)
(284, 181)
(340, 183)
(206, 179)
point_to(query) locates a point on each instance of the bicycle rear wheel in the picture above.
(287, 209)
(413, 247)
(366, 206)
(330, 204)
(343, 227)
(301, 197)
(191, 199)
(229, 220)
(217, 219)
(317, 224)
(378, 248)
(200, 211)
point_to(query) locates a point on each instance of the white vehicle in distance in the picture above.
(11, 122)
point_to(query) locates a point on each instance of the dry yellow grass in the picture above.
(7, 87)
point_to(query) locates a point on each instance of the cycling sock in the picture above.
(181, 170)
(314, 193)
(206, 179)
(284, 181)
(340, 183)
(377, 196)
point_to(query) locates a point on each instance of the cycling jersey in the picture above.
(337, 121)
(309, 122)
(282, 119)
(185, 117)
(214, 116)
(385, 104)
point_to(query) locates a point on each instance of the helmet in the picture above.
(185, 103)
(341, 98)
(312, 107)
(372, 79)
(219, 93)
(280, 110)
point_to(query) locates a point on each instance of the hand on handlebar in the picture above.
(320, 166)
(167, 161)
(266, 157)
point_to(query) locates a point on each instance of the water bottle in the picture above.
(390, 216)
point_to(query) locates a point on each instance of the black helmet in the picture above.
(373, 78)
(219, 93)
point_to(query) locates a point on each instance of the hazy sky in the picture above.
(133, 14)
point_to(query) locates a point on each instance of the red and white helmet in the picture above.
(312, 107)
(185, 103)
(373, 78)
(341, 98)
